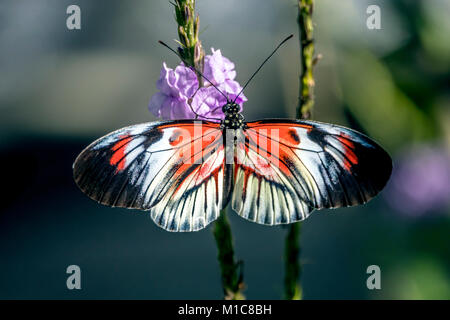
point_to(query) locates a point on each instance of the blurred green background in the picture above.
(60, 89)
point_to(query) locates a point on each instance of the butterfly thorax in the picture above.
(233, 117)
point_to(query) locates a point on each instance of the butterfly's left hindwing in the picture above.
(174, 169)
(287, 168)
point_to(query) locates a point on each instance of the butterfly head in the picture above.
(231, 107)
(233, 117)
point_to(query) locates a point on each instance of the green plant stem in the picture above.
(305, 24)
(293, 269)
(192, 53)
(293, 289)
(232, 281)
(191, 50)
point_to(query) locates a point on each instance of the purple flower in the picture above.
(219, 69)
(420, 181)
(179, 94)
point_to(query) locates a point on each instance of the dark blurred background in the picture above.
(60, 89)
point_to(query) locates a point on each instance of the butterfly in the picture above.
(272, 171)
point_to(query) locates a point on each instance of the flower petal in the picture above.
(156, 101)
(187, 82)
(181, 110)
(208, 102)
(167, 80)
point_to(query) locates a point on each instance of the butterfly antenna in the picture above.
(254, 74)
(193, 68)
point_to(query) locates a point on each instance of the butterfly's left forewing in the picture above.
(174, 169)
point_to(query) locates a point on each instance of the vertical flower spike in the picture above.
(191, 50)
(306, 97)
(183, 93)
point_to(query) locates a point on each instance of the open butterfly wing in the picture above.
(286, 168)
(265, 191)
(175, 169)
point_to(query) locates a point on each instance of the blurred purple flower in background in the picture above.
(179, 93)
(420, 181)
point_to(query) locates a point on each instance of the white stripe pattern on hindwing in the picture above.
(268, 198)
(195, 201)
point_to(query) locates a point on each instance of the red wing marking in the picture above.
(293, 136)
(269, 153)
(287, 133)
(209, 167)
(198, 148)
(118, 157)
(176, 138)
(348, 147)
(203, 151)
(271, 124)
